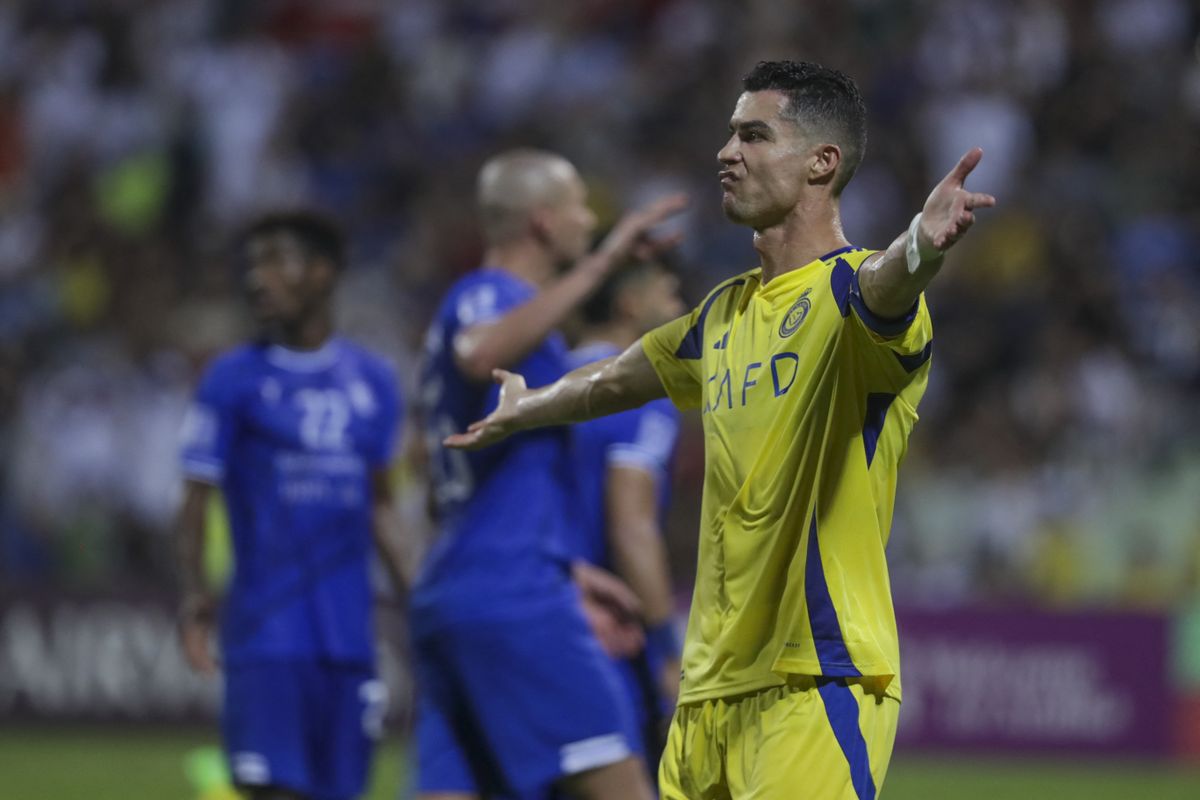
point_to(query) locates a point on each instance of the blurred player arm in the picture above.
(198, 606)
(891, 282)
(640, 557)
(612, 609)
(594, 390)
(395, 549)
(480, 349)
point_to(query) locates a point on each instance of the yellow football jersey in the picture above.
(807, 401)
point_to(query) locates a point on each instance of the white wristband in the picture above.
(912, 251)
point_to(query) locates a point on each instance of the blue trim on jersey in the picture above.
(878, 404)
(840, 280)
(692, 346)
(822, 616)
(913, 363)
(842, 710)
(838, 252)
(882, 326)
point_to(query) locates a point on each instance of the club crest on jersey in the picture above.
(795, 315)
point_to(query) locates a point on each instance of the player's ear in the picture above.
(538, 224)
(824, 163)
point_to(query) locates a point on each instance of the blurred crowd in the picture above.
(1056, 462)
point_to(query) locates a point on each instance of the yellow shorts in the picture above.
(812, 739)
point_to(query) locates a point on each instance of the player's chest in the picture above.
(769, 349)
(312, 414)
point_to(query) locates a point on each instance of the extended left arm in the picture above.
(892, 281)
(594, 390)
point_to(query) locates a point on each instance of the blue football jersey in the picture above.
(501, 547)
(291, 438)
(644, 438)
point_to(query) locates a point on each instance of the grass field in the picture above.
(95, 765)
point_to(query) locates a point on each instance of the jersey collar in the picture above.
(303, 360)
(788, 280)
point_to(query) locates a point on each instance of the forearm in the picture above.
(391, 549)
(889, 288)
(189, 536)
(504, 343)
(388, 534)
(594, 390)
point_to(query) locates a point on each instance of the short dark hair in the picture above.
(826, 99)
(317, 233)
(601, 307)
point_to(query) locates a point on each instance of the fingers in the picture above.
(462, 441)
(634, 225)
(962, 223)
(507, 380)
(979, 200)
(963, 168)
(664, 207)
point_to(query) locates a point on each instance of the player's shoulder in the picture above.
(843, 265)
(482, 294)
(851, 255)
(729, 287)
(236, 362)
(372, 364)
(356, 351)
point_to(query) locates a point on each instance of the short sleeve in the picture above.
(381, 449)
(909, 337)
(208, 427)
(680, 374)
(648, 442)
(478, 304)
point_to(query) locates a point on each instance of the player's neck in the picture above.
(809, 232)
(523, 258)
(614, 333)
(309, 333)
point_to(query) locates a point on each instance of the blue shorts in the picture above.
(308, 726)
(507, 708)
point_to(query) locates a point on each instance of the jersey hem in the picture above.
(778, 677)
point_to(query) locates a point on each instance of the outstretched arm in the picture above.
(488, 346)
(892, 281)
(594, 390)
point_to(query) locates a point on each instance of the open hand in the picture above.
(631, 235)
(949, 210)
(498, 425)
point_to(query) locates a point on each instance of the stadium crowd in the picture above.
(1055, 463)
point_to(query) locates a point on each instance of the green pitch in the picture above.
(100, 764)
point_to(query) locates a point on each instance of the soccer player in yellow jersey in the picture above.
(807, 371)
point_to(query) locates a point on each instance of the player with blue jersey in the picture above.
(515, 696)
(621, 466)
(297, 430)
(807, 372)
